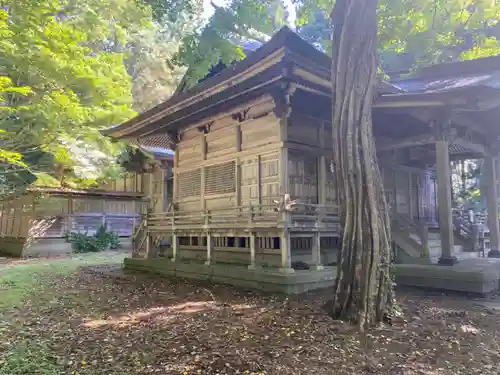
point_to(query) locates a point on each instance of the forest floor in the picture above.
(83, 315)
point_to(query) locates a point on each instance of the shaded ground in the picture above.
(67, 316)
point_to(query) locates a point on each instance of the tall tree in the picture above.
(418, 32)
(363, 290)
(64, 79)
(151, 62)
(221, 38)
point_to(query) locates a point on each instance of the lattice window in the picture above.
(220, 179)
(303, 177)
(122, 225)
(86, 224)
(331, 185)
(189, 183)
(158, 181)
(402, 191)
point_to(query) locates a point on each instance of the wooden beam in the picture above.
(385, 144)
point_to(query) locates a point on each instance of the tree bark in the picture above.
(364, 288)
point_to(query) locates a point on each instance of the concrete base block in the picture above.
(477, 275)
(265, 279)
(493, 253)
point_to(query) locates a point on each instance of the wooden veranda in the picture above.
(260, 131)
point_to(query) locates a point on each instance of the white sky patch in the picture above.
(208, 10)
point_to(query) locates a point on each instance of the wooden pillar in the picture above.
(322, 183)
(322, 168)
(175, 247)
(203, 146)
(149, 252)
(253, 250)
(175, 192)
(444, 202)
(316, 251)
(410, 198)
(492, 201)
(286, 253)
(165, 186)
(210, 250)
(237, 166)
(283, 165)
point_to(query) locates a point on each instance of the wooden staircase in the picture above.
(139, 248)
(414, 243)
(410, 240)
(145, 244)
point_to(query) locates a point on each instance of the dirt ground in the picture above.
(84, 316)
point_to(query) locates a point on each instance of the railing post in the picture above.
(250, 218)
(207, 219)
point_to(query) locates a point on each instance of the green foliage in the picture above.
(111, 239)
(101, 241)
(419, 32)
(466, 182)
(151, 64)
(217, 41)
(173, 10)
(411, 32)
(62, 79)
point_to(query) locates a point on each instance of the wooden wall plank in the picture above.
(259, 131)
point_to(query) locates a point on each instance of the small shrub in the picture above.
(101, 241)
(114, 240)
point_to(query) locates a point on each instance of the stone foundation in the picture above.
(270, 280)
(478, 275)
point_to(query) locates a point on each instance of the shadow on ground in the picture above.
(85, 316)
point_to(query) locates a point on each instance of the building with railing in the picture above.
(254, 200)
(37, 222)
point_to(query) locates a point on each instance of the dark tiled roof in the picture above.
(422, 85)
(483, 72)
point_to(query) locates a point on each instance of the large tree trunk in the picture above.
(364, 288)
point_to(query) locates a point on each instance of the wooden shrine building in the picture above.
(36, 222)
(259, 133)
